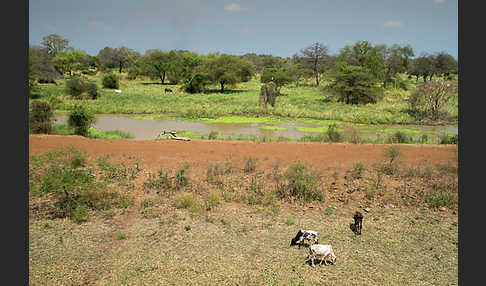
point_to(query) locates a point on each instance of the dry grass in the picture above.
(397, 247)
(235, 243)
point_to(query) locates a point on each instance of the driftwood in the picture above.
(173, 136)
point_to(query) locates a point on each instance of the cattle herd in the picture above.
(324, 252)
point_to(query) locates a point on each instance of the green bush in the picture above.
(446, 139)
(301, 185)
(80, 119)
(399, 137)
(75, 87)
(332, 134)
(111, 81)
(197, 83)
(40, 117)
(78, 88)
(92, 89)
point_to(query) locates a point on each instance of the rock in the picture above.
(442, 209)
(367, 210)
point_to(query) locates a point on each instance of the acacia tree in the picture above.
(118, 57)
(54, 44)
(155, 63)
(445, 64)
(363, 54)
(314, 55)
(396, 60)
(279, 77)
(353, 84)
(227, 69)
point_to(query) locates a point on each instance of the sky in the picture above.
(275, 27)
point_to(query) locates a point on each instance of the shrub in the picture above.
(76, 87)
(213, 135)
(399, 137)
(111, 81)
(250, 165)
(80, 119)
(332, 134)
(357, 171)
(268, 93)
(429, 99)
(184, 200)
(446, 139)
(301, 185)
(40, 117)
(92, 89)
(213, 200)
(181, 180)
(442, 198)
(197, 83)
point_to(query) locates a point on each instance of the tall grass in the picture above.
(139, 96)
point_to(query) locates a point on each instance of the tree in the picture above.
(227, 69)
(279, 77)
(363, 54)
(64, 62)
(425, 66)
(315, 54)
(397, 59)
(54, 44)
(445, 64)
(119, 57)
(353, 85)
(155, 63)
(429, 98)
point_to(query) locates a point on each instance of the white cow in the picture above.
(323, 251)
(117, 91)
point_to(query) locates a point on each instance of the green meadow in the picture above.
(239, 104)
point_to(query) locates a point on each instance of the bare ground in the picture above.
(238, 244)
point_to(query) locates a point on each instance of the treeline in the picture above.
(362, 62)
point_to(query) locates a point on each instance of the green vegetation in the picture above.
(40, 117)
(80, 119)
(111, 81)
(71, 182)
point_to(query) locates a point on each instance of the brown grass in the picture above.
(404, 241)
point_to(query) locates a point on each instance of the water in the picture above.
(149, 129)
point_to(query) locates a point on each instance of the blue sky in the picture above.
(277, 27)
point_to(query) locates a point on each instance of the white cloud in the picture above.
(438, 1)
(393, 23)
(233, 7)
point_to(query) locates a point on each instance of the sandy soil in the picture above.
(152, 154)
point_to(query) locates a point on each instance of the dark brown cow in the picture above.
(358, 222)
(167, 89)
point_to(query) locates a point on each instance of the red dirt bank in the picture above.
(153, 154)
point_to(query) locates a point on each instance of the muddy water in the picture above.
(143, 129)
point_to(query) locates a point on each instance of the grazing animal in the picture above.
(167, 89)
(358, 222)
(117, 91)
(323, 251)
(304, 235)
